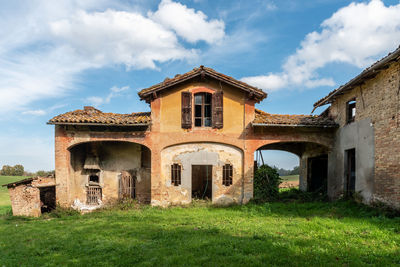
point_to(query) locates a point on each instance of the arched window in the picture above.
(202, 110)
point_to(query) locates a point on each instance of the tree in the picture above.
(266, 183)
(18, 170)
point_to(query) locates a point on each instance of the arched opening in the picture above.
(312, 172)
(105, 171)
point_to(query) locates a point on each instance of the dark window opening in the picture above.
(351, 110)
(202, 110)
(94, 179)
(176, 174)
(47, 198)
(350, 171)
(201, 181)
(227, 173)
(93, 195)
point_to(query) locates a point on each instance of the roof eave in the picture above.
(292, 125)
(260, 96)
(98, 124)
(369, 73)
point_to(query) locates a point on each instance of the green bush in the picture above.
(266, 184)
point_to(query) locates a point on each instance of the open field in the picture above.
(5, 204)
(290, 234)
(289, 181)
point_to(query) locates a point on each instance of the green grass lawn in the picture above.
(288, 178)
(5, 204)
(285, 234)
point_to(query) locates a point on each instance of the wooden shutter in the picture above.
(217, 109)
(186, 110)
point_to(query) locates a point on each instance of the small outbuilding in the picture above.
(32, 196)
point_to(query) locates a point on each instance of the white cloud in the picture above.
(35, 112)
(187, 23)
(114, 92)
(45, 45)
(356, 34)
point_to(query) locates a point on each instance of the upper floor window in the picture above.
(202, 110)
(350, 110)
(207, 110)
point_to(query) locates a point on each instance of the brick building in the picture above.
(201, 135)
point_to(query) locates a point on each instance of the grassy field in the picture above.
(5, 205)
(290, 178)
(290, 234)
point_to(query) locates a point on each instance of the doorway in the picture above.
(318, 174)
(127, 185)
(201, 181)
(47, 198)
(350, 155)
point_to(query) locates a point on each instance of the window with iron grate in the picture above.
(176, 174)
(227, 173)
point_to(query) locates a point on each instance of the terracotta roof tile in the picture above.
(264, 118)
(168, 82)
(91, 115)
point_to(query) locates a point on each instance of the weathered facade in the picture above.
(32, 196)
(367, 109)
(201, 135)
(198, 141)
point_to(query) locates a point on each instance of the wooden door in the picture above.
(127, 185)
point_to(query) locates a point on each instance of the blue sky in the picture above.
(57, 56)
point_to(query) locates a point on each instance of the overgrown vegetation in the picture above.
(297, 230)
(342, 233)
(266, 184)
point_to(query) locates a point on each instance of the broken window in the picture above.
(351, 110)
(227, 173)
(176, 174)
(202, 110)
(94, 179)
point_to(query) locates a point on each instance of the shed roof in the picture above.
(266, 119)
(366, 74)
(93, 116)
(202, 72)
(24, 181)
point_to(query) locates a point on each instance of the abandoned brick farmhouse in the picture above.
(203, 130)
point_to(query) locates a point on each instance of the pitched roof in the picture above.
(266, 119)
(93, 116)
(368, 73)
(202, 71)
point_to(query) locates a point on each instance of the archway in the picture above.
(313, 163)
(104, 171)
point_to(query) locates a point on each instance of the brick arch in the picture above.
(202, 142)
(202, 89)
(74, 144)
(294, 147)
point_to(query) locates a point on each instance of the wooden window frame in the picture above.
(350, 105)
(176, 174)
(227, 175)
(203, 105)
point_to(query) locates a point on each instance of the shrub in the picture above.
(266, 184)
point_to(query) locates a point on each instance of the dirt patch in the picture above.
(289, 184)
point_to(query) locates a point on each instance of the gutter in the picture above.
(291, 125)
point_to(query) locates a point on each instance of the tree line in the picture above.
(19, 170)
(283, 172)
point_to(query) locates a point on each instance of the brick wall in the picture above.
(378, 99)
